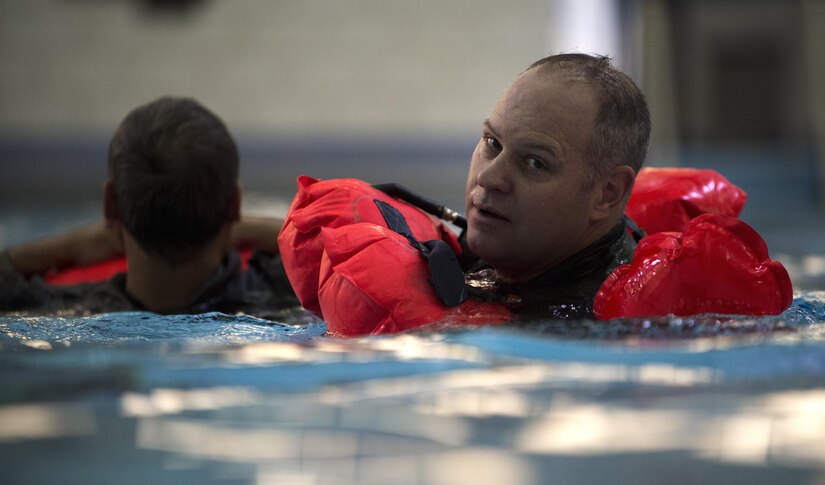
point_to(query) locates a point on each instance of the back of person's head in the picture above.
(622, 129)
(174, 168)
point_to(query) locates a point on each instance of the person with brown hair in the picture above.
(172, 207)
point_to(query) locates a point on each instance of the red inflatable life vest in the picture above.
(348, 267)
(372, 282)
(82, 274)
(718, 264)
(105, 270)
(665, 199)
(698, 258)
(335, 203)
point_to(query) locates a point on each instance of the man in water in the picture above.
(549, 181)
(172, 206)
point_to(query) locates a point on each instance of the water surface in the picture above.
(141, 398)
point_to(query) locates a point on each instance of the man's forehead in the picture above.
(536, 99)
(553, 85)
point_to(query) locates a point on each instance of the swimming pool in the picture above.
(140, 398)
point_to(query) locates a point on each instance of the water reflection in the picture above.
(174, 401)
(280, 404)
(435, 428)
(44, 421)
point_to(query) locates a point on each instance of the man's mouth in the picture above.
(489, 212)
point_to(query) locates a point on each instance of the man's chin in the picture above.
(498, 255)
(487, 248)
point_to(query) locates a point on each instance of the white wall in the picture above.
(290, 66)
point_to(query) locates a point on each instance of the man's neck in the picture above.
(164, 289)
(528, 273)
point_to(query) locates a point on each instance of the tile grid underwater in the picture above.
(132, 397)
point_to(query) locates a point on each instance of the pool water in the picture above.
(141, 398)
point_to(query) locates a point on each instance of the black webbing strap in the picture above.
(426, 204)
(446, 275)
(637, 232)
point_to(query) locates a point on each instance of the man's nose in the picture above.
(495, 175)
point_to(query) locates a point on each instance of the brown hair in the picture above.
(173, 167)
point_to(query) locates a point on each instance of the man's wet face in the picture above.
(529, 200)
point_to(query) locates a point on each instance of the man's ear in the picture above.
(614, 190)
(109, 202)
(234, 213)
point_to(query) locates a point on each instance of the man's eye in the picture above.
(535, 164)
(491, 143)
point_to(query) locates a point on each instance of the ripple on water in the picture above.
(803, 320)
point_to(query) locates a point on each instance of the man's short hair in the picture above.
(174, 168)
(622, 129)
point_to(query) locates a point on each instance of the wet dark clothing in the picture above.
(261, 290)
(565, 291)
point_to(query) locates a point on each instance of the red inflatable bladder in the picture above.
(373, 282)
(83, 274)
(665, 199)
(336, 203)
(718, 265)
(106, 269)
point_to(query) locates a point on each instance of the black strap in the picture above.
(637, 232)
(446, 275)
(428, 205)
